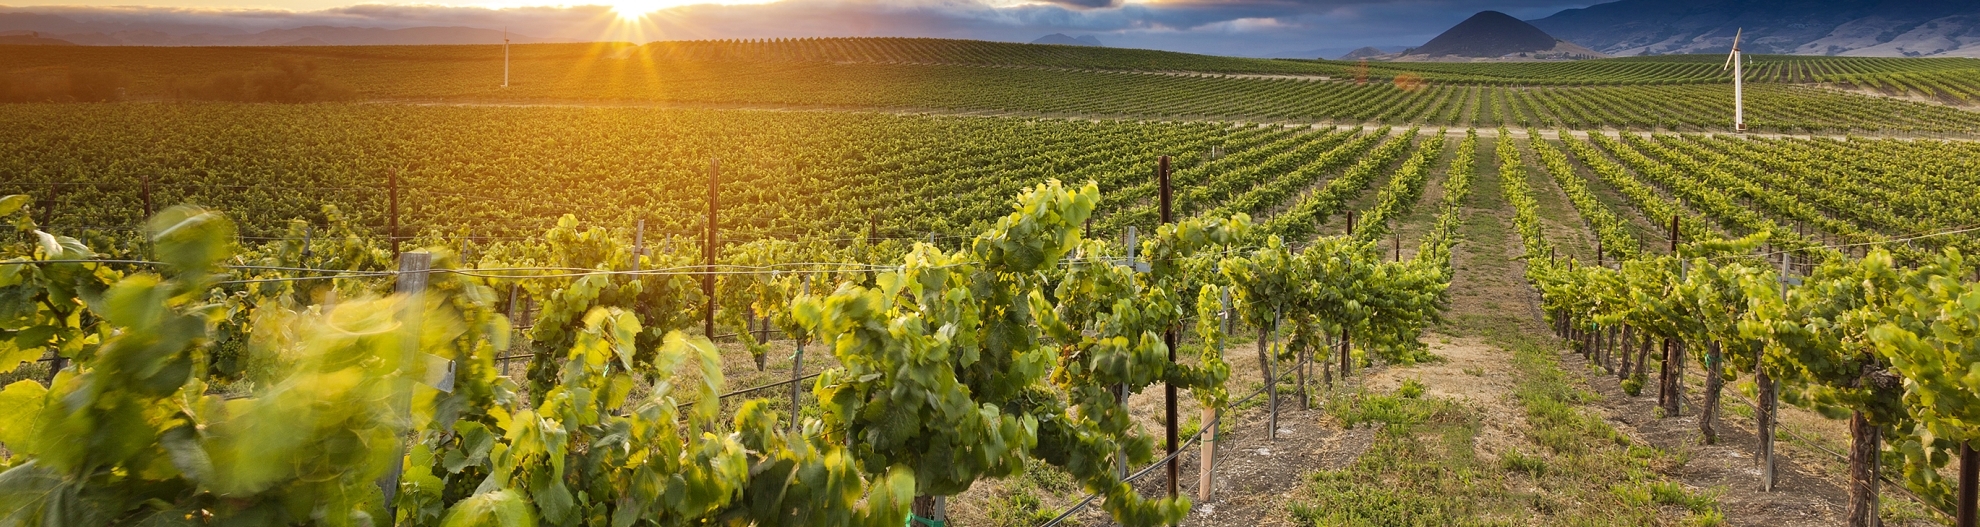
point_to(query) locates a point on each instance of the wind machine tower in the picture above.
(1739, 88)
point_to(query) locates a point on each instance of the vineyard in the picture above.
(928, 282)
(1785, 94)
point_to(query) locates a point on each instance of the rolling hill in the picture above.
(1868, 28)
(1495, 35)
(111, 34)
(1062, 39)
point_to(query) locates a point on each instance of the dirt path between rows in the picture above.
(1805, 495)
(1490, 287)
(1411, 227)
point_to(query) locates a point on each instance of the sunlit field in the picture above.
(873, 281)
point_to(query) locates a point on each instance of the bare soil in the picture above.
(1474, 372)
(1803, 496)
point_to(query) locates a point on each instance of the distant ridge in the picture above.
(1856, 28)
(32, 39)
(1367, 52)
(1061, 39)
(1495, 35)
(26, 28)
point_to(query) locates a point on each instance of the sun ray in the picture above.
(634, 10)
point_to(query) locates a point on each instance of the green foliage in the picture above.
(1863, 336)
(1398, 410)
(664, 301)
(501, 508)
(1633, 386)
(146, 440)
(942, 364)
(1410, 389)
(1341, 287)
(956, 366)
(1674, 493)
(307, 443)
(780, 276)
(1515, 461)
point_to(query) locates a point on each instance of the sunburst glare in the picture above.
(632, 10)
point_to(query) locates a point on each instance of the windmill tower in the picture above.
(505, 57)
(1739, 89)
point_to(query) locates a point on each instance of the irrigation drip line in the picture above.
(756, 388)
(336, 274)
(734, 393)
(1837, 247)
(1180, 449)
(297, 269)
(303, 278)
(769, 386)
(577, 272)
(1920, 236)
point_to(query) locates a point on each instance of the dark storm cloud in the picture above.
(1230, 27)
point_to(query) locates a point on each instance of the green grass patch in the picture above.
(1515, 461)
(1423, 467)
(1021, 505)
(1411, 389)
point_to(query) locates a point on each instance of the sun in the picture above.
(630, 10)
(633, 10)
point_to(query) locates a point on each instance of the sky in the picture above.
(1223, 27)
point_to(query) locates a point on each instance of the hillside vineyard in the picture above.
(1788, 94)
(841, 281)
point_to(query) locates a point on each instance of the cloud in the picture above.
(1230, 27)
(1084, 4)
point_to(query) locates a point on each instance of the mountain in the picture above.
(1880, 28)
(32, 39)
(1317, 53)
(371, 36)
(24, 22)
(1494, 35)
(1367, 52)
(51, 27)
(1061, 39)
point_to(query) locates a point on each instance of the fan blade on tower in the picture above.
(1735, 50)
